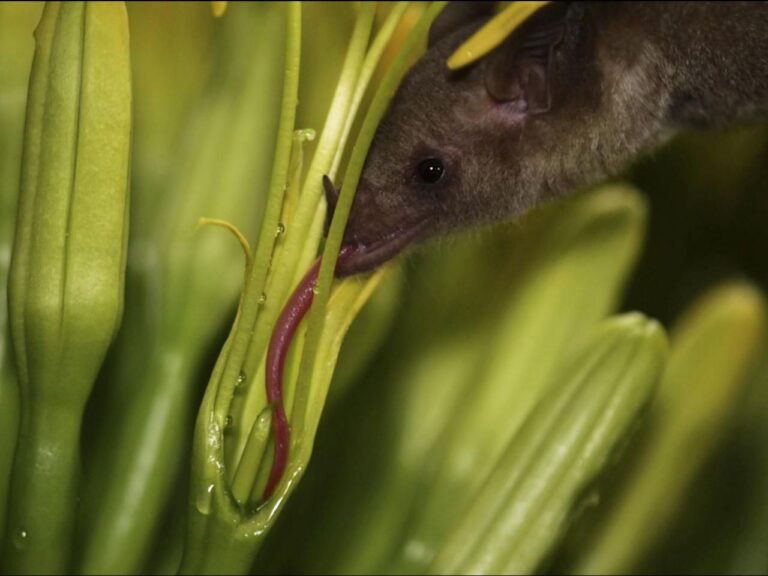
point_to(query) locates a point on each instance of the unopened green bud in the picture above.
(714, 346)
(524, 507)
(68, 261)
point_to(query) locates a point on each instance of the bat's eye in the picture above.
(430, 170)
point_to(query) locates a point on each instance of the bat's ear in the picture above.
(457, 14)
(520, 70)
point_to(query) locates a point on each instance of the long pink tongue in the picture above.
(285, 329)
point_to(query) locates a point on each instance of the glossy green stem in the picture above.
(223, 552)
(44, 491)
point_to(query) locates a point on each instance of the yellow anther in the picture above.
(493, 33)
(218, 8)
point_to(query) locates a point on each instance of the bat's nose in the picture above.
(367, 221)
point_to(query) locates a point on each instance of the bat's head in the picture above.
(443, 156)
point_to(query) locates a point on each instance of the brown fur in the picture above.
(625, 78)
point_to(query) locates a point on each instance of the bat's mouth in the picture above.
(364, 257)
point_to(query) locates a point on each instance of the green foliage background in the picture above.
(457, 362)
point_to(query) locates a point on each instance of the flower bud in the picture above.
(68, 261)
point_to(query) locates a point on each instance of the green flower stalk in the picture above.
(68, 262)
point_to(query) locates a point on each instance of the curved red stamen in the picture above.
(285, 329)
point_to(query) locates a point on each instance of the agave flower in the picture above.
(490, 404)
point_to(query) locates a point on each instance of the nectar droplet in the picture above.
(203, 501)
(304, 134)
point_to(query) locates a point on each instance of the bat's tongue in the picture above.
(285, 329)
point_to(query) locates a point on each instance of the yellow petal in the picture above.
(493, 33)
(218, 8)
